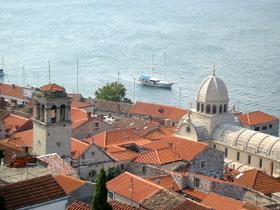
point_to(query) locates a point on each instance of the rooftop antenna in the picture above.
(23, 74)
(77, 76)
(49, 71)
(164, 65)
(152, 64)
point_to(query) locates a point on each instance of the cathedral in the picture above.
(211, 121)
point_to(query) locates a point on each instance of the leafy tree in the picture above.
(100, 199)
(114, 91)
(112, 173)
(2, 203)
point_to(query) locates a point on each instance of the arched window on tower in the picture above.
(221, 108)
(53, 114)
(214, 109)
(225, 107)
(208, 108)
(62, 113)
(202, 108)
(197, 107)
(42, 115)
(38, 110)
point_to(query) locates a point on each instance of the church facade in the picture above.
(211, 121)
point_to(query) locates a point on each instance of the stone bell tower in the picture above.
(52, 121)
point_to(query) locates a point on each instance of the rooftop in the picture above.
(133, 187)
(158, 111)
(52, 87)
(12, 90)
(191, 205)
(119, 153)
(79, 205)
(69, 183)
(13, 122)
(31, 192)
(256, 118)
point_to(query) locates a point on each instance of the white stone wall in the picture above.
(272, 131)
(59, 204)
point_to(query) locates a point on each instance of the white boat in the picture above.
(155, 82)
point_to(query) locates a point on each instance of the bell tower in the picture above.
(52, 121)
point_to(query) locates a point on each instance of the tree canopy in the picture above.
(113, 91)
(100, 199)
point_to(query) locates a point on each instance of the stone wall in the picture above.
(111, 106)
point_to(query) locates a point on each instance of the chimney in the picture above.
(89, 115)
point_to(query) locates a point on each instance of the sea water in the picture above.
(240, 37)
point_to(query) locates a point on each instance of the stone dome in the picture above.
(213, 90)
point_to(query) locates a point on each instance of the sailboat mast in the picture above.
(164, 66)
(77, 76)
(152, 64)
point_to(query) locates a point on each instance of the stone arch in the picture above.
(42, 113)
(214, 109)
(53, 114)
(198, 107)
(202, 107)
(62, 113)
(221, 109)
(225, 107)
(208, 109)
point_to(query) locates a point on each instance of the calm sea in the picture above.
(241, 37)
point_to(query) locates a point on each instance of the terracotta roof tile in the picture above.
(192, 205)
(165, 181)
(24, 138)
(31, 192)
(78, 148)
(57, 164)
(195, 194)
(11, 152)
(15, 123)
(158, 111)
(133, 187)
(219, 202)
(186, 149)
(258, 181)
(122, 206)
(119, 137)
(79, 205)
(52, 87)
(78, 117)
(256, 118)
(11, 90)
(158, 156)
(119, 153)
(68, 183)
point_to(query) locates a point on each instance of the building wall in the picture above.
(255, 159)
(49, 139)
(89, 129)
(122, 199)
(58, 204)
(271, 128)
(84, 193)
(214, 163)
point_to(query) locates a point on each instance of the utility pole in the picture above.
(77, 76)
(23, 74)
(49, 71)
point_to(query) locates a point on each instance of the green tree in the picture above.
(2, 203)
(112, 173)
(100, 199)
(114, 91)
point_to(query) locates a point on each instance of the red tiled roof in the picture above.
(52, 87)
(16, 123)
(160, 133)
(68, 183)
(119, 137)
(165, 181)
(186, 149)
(122, 206)
(119, 153)
(158, 156)
(79, 102)
(24, 138)
(78, 148)
(192, 205)
(258, 181)
(11, 90)
(158, 111)
(194, 193)
(79, 205)
(133, 187)
(57, 164)
(256, 118)
(219, 202)
(11, 152)
(31, 192)
(78, 117)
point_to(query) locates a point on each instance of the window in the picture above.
(264, 127)
(260, 163)
(208, 109)
(202, 164)
(221, 108)
(196, 182)
(249, 159)
(188, 129)
(238, 156)
(214, 109)
(111, 195)
(198, 107)
(214, 146)
(96, 125)
(225, 108)
(58, 144)
(122, 167)
(92, 153)
(144, 169)
(257, 128)
(226, 152)
(270, 126)
(202, 107)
